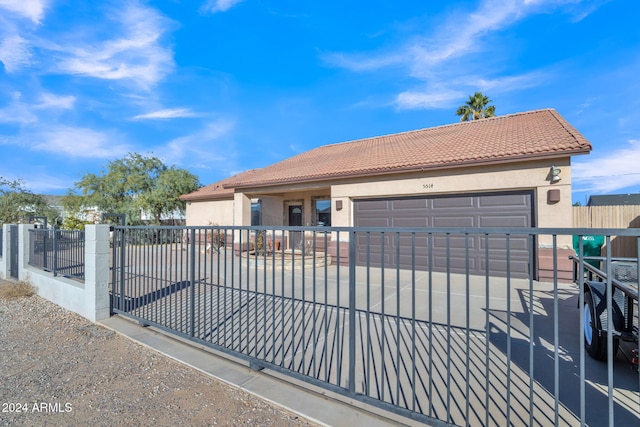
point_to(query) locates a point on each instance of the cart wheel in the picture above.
(594, 340)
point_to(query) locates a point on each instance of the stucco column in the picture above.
(96, 271)
(4, 258)
(23, 250)
(241, 209)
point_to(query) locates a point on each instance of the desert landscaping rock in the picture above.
(56, 368)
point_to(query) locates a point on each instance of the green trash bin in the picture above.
(591, 246)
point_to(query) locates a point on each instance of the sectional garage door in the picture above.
(477, 210)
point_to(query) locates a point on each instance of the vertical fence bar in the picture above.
(556, 333)
(448, 251)
(55, 252)
(326, 314)
(368, 314)
(304, 301)
(468, 329)
(114, 270)
(580, 274)
(45, 246)
(293, 299)
(431, 376)
(531, 328)
(192, 282)
(313, 317)
(508, 250)
(352, 311)
(397, 373)
(382, 316)
(413, 322)
(487, 332)
(610, 329)
(337, 328)
(123, 245)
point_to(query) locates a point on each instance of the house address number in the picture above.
(427, 186)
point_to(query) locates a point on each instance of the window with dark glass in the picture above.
(323, 212)
(256, 213)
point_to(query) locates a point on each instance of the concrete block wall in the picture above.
(89, 299)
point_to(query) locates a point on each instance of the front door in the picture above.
(295, 220)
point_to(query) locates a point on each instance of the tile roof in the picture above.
(520, 136)
(217, 190)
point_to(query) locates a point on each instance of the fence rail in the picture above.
(427, 323)
(58, 251)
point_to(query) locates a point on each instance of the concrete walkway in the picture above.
(311, 402)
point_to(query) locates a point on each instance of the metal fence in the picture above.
(58, 251)
(427, 323)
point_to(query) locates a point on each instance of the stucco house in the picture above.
(512, 170)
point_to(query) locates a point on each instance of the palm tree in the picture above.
(476, 108)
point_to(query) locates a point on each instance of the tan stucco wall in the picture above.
(492, 178)
(271, 210)
(219, 212)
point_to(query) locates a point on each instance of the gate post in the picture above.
(4, 258)
(96, 276)
(352, 311)
(23, 250)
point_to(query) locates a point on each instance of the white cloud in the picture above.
(24, 113)
(442, 58)
(206, 148)
(427, 99)
(508, 83)
(360, 62)
(51, 101)
(608, 173)
(32, 9)
(135, 53)
(77, 142)
(169, 113)
(214, 6)
(17, 112)
(15, 53)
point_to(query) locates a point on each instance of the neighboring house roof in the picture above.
(53, 201)
(540, 134)
(614, 200)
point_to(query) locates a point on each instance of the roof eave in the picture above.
(205, 197)
(453, 165)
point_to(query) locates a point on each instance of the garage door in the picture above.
(477, 210)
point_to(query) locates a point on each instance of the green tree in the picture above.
(17, 204)
(76, 214)
(162, 198)
(477, 107)
(134, 184)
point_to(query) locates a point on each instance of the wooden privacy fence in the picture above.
(611, 217)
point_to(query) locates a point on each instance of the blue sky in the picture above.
(222, 86)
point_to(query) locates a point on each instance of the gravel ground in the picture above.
(57, 368)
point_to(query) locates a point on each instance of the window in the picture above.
(256, 213)
(323, 212)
